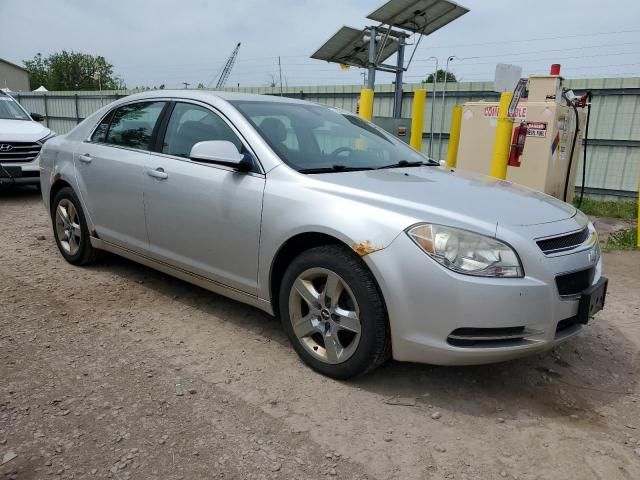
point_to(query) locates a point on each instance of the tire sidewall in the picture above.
(82, 253)
(371, 309)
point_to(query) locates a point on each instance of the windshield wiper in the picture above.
(405, 163)
(334, 168)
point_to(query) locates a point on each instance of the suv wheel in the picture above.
(70, 229)
(333, 313)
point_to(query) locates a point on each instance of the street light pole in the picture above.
(444, 93)
(435, 83)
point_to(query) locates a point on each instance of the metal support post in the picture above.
(371, 76)
(46, 111)
(397, 99)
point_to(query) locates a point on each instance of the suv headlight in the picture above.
(467, 252)
(51, 134)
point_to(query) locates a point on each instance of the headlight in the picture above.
(51, 134)
(467, 252)
(593, 238)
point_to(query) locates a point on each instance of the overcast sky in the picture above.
(153, 42)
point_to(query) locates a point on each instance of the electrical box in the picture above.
(399, 127)
(544, 128)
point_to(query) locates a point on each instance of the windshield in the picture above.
(10, 110)
(314, 139)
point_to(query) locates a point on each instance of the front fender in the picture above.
(292, 207)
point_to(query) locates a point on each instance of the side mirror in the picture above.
(37, 117)
(222, 152)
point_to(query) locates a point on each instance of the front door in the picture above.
(110, 171)
(203, 218)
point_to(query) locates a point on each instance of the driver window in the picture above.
(190, 124)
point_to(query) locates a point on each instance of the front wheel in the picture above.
(333, 313)
(70, 229)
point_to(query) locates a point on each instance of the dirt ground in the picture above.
(118, 371)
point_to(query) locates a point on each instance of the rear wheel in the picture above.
(333, 313)
(70, 229)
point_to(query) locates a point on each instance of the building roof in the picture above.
(13, 64)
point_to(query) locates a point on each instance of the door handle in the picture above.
(85, 158)
(158, 173)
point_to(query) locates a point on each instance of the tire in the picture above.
(78, 251)
(340, 338)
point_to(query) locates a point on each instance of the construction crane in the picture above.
(226, 71)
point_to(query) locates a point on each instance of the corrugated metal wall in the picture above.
(613, 160)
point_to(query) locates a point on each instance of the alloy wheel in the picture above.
(325, 315)
(68, 226)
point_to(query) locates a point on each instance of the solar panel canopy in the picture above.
(420, 16)
(351, 47)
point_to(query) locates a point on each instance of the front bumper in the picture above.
(20, 173)
(427, 303)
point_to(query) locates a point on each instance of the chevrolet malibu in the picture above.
(362, 246)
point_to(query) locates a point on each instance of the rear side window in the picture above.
(100, 133)
(190, 124)
(132, 125)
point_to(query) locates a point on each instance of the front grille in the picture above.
(564, 242)
(574, 283)
(13, 152)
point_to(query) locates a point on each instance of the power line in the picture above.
(272, 58)
(524, 40)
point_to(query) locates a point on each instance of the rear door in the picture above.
(204, 218)
(111, 168)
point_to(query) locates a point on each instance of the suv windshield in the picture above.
(10, 110)
(315, 139)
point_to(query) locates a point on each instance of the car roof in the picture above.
(205, 95)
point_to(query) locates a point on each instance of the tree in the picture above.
(440, 76)
(272, 82)
(72, 71)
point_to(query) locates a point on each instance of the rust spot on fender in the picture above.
(56, 177)
(365, 248)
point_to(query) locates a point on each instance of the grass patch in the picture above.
(605, 208)
(622, 240)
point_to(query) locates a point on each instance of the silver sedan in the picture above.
(363, 247)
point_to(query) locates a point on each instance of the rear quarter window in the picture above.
(100, 133)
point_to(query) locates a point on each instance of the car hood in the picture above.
(21, 131)
(429, 192)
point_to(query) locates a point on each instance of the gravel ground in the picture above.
(118, 371)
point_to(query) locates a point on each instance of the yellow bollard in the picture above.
(454, 136)
(417, 118)
(366, 104)
(504, 130)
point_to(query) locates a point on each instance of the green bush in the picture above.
(622, 240)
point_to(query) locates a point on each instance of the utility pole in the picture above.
(280, 70)
(186, 85)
